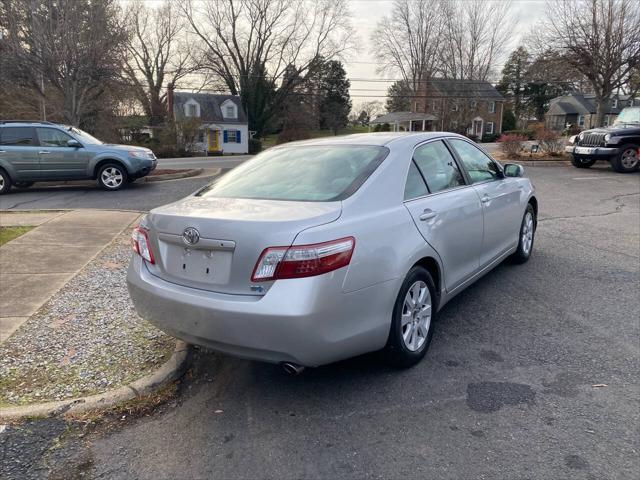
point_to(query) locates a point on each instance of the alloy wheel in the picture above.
(629, 158)
(1, 183)
(416, 316)
(112, 177)
(527, 233)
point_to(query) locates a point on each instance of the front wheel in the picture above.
(579, 162)
(412, 322)
(112, 176)
(527, 234)
(627, 160)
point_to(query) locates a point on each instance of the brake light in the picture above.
(300, 261)
(141, 245)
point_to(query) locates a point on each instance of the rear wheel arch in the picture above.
(433, 267)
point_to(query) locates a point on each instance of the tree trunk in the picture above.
(600, 111)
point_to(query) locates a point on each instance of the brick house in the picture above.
(469, 107)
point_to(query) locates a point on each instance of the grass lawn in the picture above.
(9, 233)
(271, 140)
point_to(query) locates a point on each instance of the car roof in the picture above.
(377, 138)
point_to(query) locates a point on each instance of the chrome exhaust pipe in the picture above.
(292, 368)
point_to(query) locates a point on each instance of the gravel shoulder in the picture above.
(85, 340)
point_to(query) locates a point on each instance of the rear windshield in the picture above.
(305, 173)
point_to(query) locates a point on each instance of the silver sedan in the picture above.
(320, 250)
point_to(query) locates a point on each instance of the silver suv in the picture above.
(43, 151)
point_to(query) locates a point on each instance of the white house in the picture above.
(224, 126)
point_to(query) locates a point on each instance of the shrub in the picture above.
(385, 127)
(511, 144)
(293, 134)
(550, 142)
(255, 145)
(529, 134)
(489, 138)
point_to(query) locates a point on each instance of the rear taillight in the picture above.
(300, 261)
(141, 245)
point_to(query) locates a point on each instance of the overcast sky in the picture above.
(367, 13)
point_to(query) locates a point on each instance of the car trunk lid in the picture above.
(232, 234)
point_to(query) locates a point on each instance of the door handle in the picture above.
(485, 199)
(2, 151)
(428, 214)
(42, 152)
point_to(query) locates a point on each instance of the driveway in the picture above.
(532, 373)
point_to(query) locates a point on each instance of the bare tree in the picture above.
(158, 54)
(408, 41)
(72, 46)
(251, 44)
(367, 111)
(599, 38)
(477, 33)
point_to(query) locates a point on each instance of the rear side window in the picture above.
(415, 186)
(313, 173)
(50, 137)
(438, 167)
(17, 136)
(479, 166)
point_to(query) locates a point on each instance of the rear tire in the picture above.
(112, 176)
(627, 160)
(412, 322)
(582, 162)
(5, 182)
(526, 236)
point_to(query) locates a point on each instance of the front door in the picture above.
(448, 214)
(477, 128)
(500, 199)
(57, 160)
(213, 143)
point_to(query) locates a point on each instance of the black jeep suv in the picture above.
(619, 143)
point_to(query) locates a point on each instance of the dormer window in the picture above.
(191, 108)
(229, 109)
(614, 103)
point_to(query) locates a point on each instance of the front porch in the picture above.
(406, 122)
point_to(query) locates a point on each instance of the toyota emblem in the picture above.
(190, 236)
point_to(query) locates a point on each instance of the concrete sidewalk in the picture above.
(36, 265)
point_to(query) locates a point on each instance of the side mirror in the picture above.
(73, 143)
(513, 170)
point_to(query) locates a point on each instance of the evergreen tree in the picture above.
(513, 82)
(399, 97)
(334, 101)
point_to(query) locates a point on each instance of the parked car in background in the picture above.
(316, 251)
(42, 151)
(618, 144)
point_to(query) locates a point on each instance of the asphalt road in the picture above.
(532, 373)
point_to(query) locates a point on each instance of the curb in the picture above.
(172, 176)
(171, 370)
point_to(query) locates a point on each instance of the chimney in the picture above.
(170, 114)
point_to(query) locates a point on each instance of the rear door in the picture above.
(446, 211)
(57, 160)
(500, 197)
(18, 147)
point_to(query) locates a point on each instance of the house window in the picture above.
(489, 128)
(232, 136)
(230, 111)
(492, 107)
(614, 103)
(192, 110)
(581, 120)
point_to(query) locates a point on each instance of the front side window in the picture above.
(438, 167)
(315, 173)
(415, 186)
(479, 166)
(17, 136)
(50, 137)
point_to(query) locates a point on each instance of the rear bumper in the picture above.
(308, 321)
(603, 153)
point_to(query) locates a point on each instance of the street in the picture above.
(532, 373)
